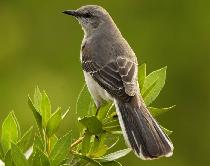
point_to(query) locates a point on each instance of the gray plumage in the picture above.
(110, 69)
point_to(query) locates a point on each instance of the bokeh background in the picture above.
(40, 46)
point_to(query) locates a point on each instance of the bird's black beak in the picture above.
(71, 12)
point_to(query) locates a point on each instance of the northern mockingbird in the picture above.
(110, 70)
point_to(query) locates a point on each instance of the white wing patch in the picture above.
(128, 73)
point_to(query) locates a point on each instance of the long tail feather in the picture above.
(141, 131)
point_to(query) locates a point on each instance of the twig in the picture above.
(78, 141)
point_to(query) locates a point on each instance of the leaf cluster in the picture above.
(99, 130)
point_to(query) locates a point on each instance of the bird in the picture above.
(110, 70)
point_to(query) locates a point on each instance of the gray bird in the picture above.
(110, 69)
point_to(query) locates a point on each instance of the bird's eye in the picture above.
(87, 15)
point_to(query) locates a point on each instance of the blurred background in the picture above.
(40, 46)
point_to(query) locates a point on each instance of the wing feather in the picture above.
(117, 76)
(128, 72)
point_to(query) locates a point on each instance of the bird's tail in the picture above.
(141, 131)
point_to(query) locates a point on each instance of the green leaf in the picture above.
(83, 102)
(1, 153)
(8, 159)
(86, 161)
(112, 125)
(93, 125)
(93, 144)
(111, 122)
(17, 124)
(116, 132)
(111, 140)
(168, 132)
(112, 128)
(153, 84)
(111, 163)
(102, 149)
(65, 162)
(116, 155)
(45, 109)
(53, 140)
(37, 116)
(142, 75)
(9, 132)
(24, 142)
(54, 122)
(111, 119)
(38, 143)
(30, 158)
(86, 143)
(18, 156)
(103, 111)
(159, 111)
(99, 148)
(60, 149)
(40, 159)
(92, 109)
(37, 99)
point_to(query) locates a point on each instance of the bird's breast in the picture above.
(98, 93)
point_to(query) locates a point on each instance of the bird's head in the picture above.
(91, 17)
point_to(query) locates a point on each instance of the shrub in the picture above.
(99, 133)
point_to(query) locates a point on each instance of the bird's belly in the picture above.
(98, 94)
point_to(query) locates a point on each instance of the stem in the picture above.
(47, 141)
(77, 142)
(48, 146)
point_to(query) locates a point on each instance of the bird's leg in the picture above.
(97, 110)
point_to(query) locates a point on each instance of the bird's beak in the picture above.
(71, 12)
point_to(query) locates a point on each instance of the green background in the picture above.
(40, 46)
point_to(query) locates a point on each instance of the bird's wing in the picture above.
(117, 77)
(128, 69)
